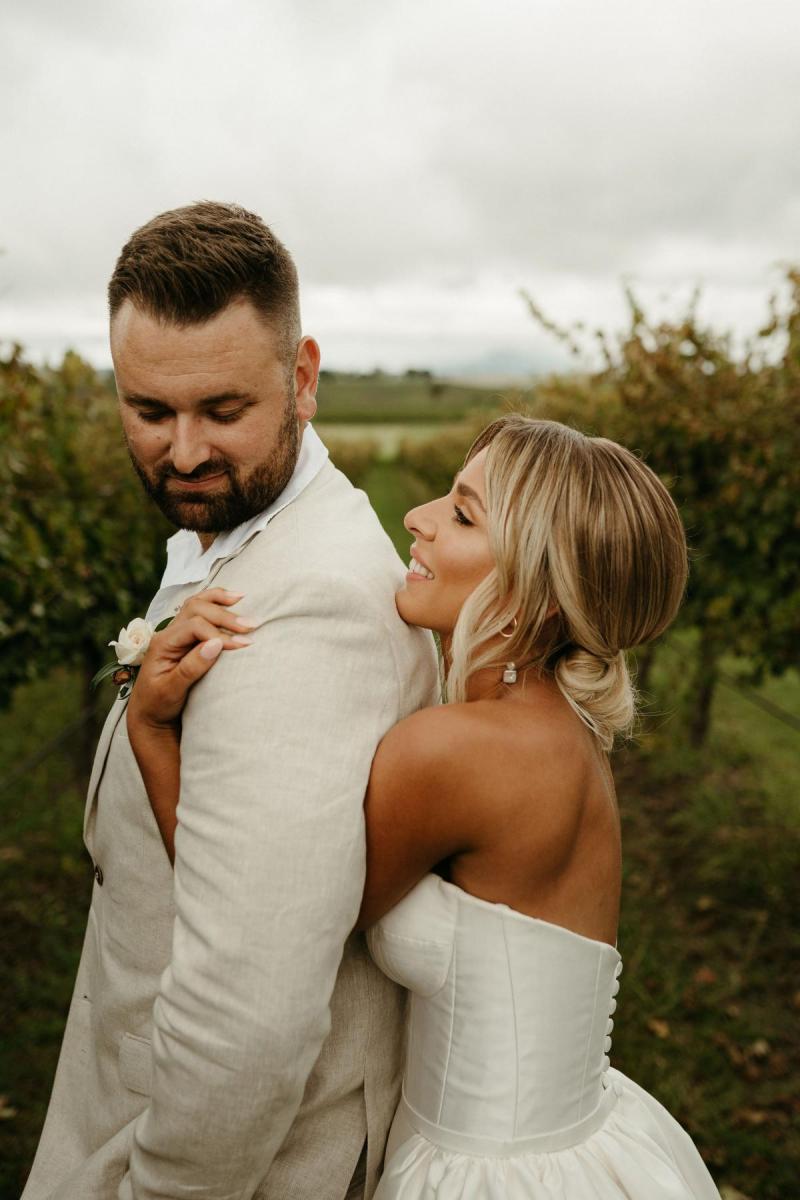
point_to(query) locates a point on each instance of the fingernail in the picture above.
(234, 595)
(243, 622)
(241, 641)
(211, 648)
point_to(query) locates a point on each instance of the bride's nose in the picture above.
(420, 522)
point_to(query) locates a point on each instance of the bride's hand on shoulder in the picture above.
(184, 652)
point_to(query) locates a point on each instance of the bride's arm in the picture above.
(158, 753)
(416, 814)
(418, 810)
(176, 658)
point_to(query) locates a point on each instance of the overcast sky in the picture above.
(422, 159)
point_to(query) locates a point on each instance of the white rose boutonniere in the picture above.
(131, 645)
(130, 648)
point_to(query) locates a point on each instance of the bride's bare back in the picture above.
(510, 799)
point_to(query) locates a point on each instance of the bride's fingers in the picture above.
(203, 630)
(225, 618)
(220, 596)
(161, 690)
(199, 661)
(181, 636)
(214, 612)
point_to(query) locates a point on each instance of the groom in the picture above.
(227, 1038)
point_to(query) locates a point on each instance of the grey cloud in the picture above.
(428, 144)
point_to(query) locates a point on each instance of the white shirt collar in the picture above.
(187, 562)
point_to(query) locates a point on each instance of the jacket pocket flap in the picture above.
(135, 1063)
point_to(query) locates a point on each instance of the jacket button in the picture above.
(98, 874)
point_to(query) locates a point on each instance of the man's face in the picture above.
(211, 414)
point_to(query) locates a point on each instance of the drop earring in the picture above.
(510, 673)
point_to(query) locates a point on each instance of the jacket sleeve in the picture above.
(269, 870)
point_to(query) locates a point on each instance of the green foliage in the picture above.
(437, 460)
(353, 456)
(45, 886)
(81, 548)
(394, 489)
(723, 432)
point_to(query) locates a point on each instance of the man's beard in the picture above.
(215, 512)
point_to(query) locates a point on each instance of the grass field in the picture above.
(400, 399)
(709, 1009)
(387, 438)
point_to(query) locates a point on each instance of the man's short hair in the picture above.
(188, 264)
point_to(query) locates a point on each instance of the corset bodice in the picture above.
(510, 1017)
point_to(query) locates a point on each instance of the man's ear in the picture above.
(306, 378)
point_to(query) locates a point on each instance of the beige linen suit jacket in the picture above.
(227, 1038)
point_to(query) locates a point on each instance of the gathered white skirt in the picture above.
(630, 1148)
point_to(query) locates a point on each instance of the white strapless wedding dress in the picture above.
(508, 1093)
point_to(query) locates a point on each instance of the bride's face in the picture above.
(450, 555)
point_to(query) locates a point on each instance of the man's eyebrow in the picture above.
(464, 489)
(138, 401)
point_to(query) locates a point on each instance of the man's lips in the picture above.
(196, 485)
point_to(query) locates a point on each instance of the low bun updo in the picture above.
(581, 526)
(599, 689)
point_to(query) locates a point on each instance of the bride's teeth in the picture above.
(418, 569)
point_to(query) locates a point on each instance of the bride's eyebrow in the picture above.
(464, 489)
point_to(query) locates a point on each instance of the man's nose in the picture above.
(189, 446)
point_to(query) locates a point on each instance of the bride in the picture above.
(493, 838)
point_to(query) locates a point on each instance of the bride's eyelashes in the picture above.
(460, 517)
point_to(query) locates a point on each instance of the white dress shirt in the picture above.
(187, 562)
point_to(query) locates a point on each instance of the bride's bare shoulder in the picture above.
(491, 753)
(452, 743)
(430, 737)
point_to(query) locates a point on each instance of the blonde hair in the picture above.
(580, 525)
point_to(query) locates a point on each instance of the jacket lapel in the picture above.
(101, 754)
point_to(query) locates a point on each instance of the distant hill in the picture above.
(417, 396)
